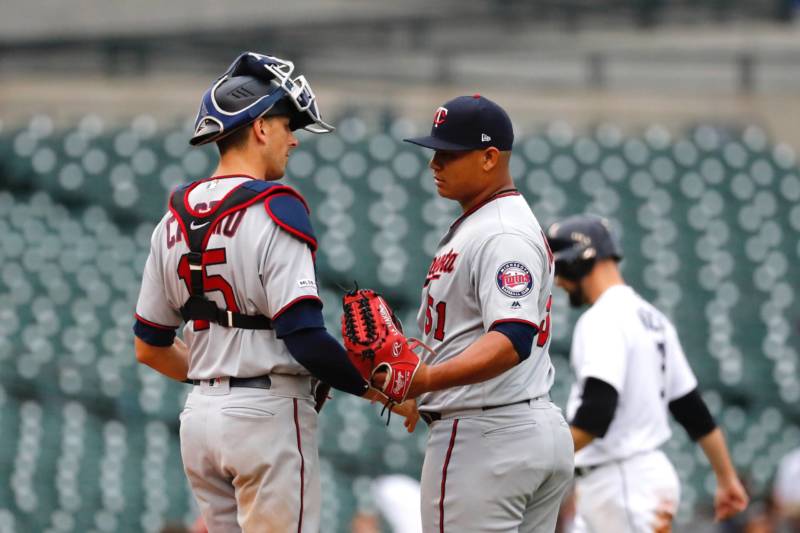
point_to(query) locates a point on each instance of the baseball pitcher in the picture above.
(499, 455)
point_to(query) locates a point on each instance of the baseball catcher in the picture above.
(375, 343)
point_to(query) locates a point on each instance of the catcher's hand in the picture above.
(375, 343)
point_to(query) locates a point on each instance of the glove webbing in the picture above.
(370, 332)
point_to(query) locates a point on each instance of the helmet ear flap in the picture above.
(578, 242)
(574, 270)
(207, 128)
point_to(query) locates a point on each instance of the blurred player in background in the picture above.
(786, 490)
(630, 372)
(396, 500)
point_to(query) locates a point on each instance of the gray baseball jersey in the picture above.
(263, 270)
(492, 266)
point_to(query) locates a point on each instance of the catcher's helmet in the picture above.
(256, 85)
(578, 241)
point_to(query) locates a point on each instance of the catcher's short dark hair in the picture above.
(237, 139)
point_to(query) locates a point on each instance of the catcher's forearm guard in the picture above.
(375, 342)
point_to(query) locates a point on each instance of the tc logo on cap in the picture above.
(439, 117)
(468, 123)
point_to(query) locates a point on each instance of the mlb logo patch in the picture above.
(514, 279)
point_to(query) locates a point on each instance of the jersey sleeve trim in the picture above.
(152, 334)
(520, 333)
(517, 320)
(290, 304)
(154, 324)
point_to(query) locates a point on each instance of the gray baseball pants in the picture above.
(251, 456)
(500, 470)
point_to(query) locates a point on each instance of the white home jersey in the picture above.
(260, 269)
(492, 266)
(626, 342)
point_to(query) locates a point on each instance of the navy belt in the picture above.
(432, 416)
(260, 382)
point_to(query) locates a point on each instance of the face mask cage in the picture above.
(213, 122)
(297, 89)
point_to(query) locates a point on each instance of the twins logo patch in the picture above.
(514, 279)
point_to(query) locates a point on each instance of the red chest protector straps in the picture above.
(197, 230)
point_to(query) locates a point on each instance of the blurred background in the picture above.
(679, 120)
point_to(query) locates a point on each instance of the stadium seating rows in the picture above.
(709, 223)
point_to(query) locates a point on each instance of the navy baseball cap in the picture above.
(468, 123)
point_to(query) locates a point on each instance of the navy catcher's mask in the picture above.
(256, 85)
(578, 241)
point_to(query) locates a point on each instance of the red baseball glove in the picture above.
(375, 342)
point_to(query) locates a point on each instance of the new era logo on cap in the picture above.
(468, 123)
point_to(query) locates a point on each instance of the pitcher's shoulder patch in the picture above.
(514, 279)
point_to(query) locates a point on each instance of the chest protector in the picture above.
(197, 229)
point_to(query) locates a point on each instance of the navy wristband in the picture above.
(521, 335)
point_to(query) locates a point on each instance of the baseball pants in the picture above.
(636, 495)
(500, 470)
(251, 456)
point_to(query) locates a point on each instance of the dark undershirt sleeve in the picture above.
(691, 412)
(302, 328)
(153, 335)
(598, 404)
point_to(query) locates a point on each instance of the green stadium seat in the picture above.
(708, 219)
